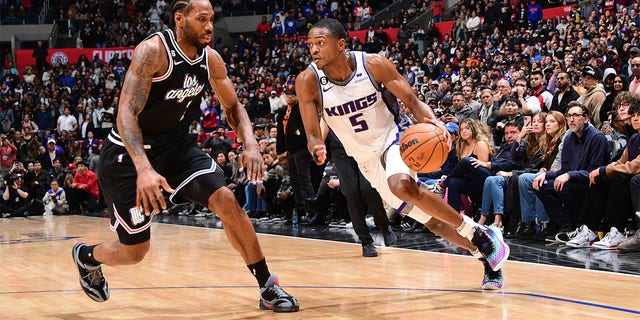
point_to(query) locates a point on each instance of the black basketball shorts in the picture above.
(191, 172)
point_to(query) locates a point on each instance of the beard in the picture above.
(193, 38)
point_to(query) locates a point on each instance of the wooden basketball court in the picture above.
(193, 273)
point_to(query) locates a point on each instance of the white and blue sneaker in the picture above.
(491, 245)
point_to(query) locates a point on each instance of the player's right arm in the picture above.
(309, 102)
(149, 59)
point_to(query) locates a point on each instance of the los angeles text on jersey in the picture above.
(190, 88)
(352, 106)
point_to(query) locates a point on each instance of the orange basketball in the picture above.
(424, 147)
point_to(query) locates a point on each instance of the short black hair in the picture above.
(634, 108)
(334, 26)
(179, 5)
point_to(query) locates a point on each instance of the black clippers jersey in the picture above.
(175, 97)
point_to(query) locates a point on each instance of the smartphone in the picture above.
(527, 121)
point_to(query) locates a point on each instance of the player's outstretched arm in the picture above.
(384, 72)
(148, 59)
(308, 99)
(236, 115)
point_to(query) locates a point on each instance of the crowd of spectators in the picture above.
(499, 72)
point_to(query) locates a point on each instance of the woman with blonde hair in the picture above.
(473, 146)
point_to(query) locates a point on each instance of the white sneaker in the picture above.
(564, 237)
(610, 241)
(583, 239)
(437, 189)
(501, 228)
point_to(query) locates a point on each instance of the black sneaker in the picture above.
(546, 233)
(91, 279)
(369, 250)
(273, 297)
(389, 236)
(527, 230)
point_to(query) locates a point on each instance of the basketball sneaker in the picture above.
(491, 245)
(610, 241)
(583, 239)
(437, 189)
(493, 280)
(91, 279)
(389, 236)
(564, 237)
(273, 297)
(369, 250)
(631, 244)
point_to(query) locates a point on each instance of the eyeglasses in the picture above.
(574, 116)
(624, 105)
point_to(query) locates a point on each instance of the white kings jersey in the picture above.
(362, 115)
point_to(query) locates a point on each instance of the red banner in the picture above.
(445, 27)
(551, 13)
(392, 34)
(70, 55)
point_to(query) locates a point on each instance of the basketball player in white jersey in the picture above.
(150, 153)
(355, 92)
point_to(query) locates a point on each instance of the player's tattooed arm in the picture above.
(148, 60)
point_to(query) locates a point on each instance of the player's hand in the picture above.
(593, 175)
(440, 125)
(253, 164)
(149, 189)
(319, 154)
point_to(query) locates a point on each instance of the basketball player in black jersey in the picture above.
(149, 153)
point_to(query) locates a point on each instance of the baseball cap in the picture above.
(290, 88)
(273, 92)
(592, 72)
(51, 141)
(71, 166)
(613, 50)
(451, 127)
(635, 50)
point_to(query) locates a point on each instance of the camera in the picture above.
(438, 112)
(14, 177)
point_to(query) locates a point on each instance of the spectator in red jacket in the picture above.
(8, 153)
(85, 193)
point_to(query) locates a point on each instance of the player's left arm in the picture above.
(308, 100)
(383, 71)
(236, 114)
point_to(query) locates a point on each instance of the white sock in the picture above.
(466, 228)
(476, 254)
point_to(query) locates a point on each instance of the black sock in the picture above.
(260, 271)
(86, 256)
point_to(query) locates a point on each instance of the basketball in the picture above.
(424, 147)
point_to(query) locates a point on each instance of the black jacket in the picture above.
(571, 95)
(293, 137)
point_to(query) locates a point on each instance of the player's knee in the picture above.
(134, 254)
(403, 187)
(220, 201)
